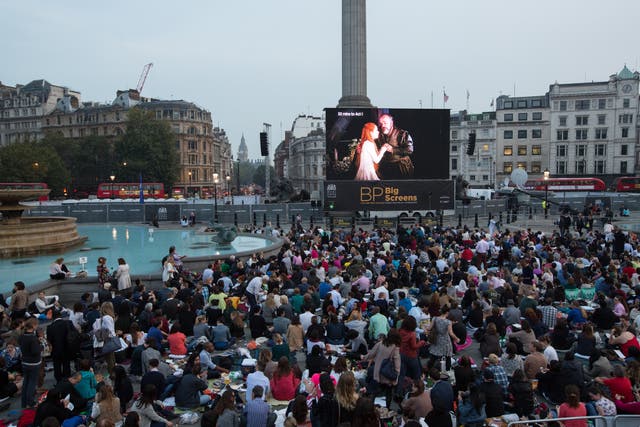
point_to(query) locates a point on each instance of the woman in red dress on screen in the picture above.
(367, 154)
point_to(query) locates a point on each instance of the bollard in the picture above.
(500, 217)
(514, 216)
(311, 222)
(235, 219)
(278, 220)
(475, 221)
(441, 220)
(530, 212)
(254, 219)
(375, 221)
(331, 222)
(508, 217)
(353, 221)
(293, 220)
(264, 219)
(459, 220)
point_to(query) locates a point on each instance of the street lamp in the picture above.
(189, 187)
(215, 196)
(546, 193)
(228, 178)
(112, 178)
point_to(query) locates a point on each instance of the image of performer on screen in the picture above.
(367, 154)
(396, 162)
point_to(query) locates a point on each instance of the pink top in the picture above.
(568, 411)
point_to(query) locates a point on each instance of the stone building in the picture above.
(243, 150)
(593, 127)
(522, 135)
(477, 169)
(203, 149)
(22, 108)
(306, 160)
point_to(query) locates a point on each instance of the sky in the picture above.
(251, 62)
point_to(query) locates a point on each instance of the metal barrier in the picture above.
(599, 420)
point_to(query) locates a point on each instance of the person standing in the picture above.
(106, 323)
(57, 333)
(367, 154)
(31, 361)
(19, 300)
(123, 276)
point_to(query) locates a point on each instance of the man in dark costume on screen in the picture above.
(395, 164)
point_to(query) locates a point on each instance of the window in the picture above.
(508, 134)
(624, 150)
(562, 135)
(454, 164)
(536, 150)
(536, 103)
(454, 148)
(536, 167)
(522, 116)
(561, 167)
(561, 151)
(625, 132)
(625, 103)
(602, 119)
(602, 104)
(522, 150)
(582, 104)
(485, 177)
(536, 116)
(472, 177)
(522, 134)
(581, 150)
(601, 150)
(599, 166)
(522, 104)
(563, 120)
(508, 150)
(601, 133)
(625, 118)
(454, 134)
(581, 166)
(536, 133)
(507, 167)
(623, 167)
(581, 134)
(582, 120)
(508, 117)
(508, 104)
(563, 105)
(522, 165)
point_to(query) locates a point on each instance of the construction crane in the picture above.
(143, 76)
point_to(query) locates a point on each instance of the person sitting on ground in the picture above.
(144, 406)
(189, 393)
(106, 406)
(10, 383)
(177, 341)
(53, 406)
(206, 361)
(154, 376)
(66, 387)
(59, 271)
(88, 381)
(284, 382)
(490, 341)
(258, 410)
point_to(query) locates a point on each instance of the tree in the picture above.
(148, 147)
(259, 176)
(247, 170)
(33, 161)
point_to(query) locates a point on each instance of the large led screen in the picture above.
(378, 144)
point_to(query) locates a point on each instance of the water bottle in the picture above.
(443, 364)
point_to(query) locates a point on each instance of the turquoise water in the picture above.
(142, 250)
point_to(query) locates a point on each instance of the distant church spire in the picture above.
(243, 151)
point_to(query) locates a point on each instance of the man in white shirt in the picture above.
(254, 289)
(482, 248)
(305, 318)
(207, 275)
(381, 292)
(336, 297)
(258, 378)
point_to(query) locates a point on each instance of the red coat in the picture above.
(409, 345)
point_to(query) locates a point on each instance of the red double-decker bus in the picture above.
(130, 190)
(627, 184)
(566, 184)
(25, 186)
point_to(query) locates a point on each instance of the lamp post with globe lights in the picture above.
(216, 179)
(546, 193)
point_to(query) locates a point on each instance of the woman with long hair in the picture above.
(511, 360)
(284, 383)
(365, 414)
(103, 271)
(295, 335)
(224, 413)
(299, 413)
(106, 323)
(409, 346)
(572, 407)
(522, 392)
(442, 331)
(367, 154)
(144, 407)
(347, 396)
(123, 276)
(122, 386)
(490, 342)
(471, 408)
(106, 406)
(387, 348)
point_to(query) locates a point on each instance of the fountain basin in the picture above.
(39, 235)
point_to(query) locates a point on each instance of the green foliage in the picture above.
(148, 147)
(259, 175)
(33, 161)
(246, 172)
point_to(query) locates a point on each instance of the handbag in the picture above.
(102, 334)
(388, 368)
(111, 345)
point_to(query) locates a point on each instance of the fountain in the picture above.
(33, 235)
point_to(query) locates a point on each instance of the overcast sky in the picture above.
(250, 62)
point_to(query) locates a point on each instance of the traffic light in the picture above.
(331, 206)
(471, 147)
(264, 144)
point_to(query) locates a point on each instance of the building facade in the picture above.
(203, 150)
(23, 107)
(522, 135)
(306, 160)
(593, 127)
(243, 150)
(477, 169)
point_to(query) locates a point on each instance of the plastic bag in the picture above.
(189, 418)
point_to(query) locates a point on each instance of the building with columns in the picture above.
(478, 169)
(306, 159)
(594, 127)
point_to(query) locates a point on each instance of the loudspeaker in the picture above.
(471, 147)
(264, 144)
